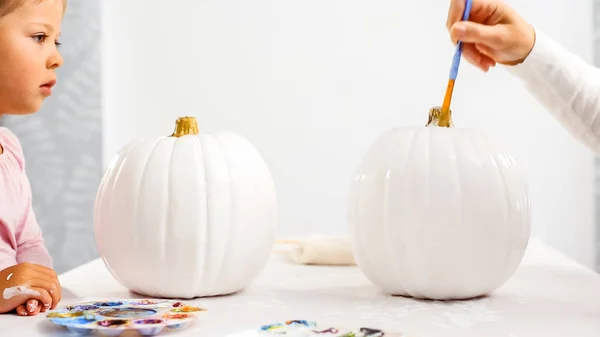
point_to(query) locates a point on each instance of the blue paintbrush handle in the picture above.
(458, 52)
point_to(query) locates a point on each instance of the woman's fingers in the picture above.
(455, 13)
(485, 50)
(489, 12)
(475, 57)
(496, 37)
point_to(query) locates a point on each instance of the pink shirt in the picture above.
(20, 235)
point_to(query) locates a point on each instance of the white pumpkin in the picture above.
(438, 212)
(187, 215)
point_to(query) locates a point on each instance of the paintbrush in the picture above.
(455, 65)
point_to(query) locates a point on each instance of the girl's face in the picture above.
(29, 55)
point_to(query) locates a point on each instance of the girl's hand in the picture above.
(31, 308)
(495, 33)
(23, 284)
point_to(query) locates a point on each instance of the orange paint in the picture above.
(448, 97)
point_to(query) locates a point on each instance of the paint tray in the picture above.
(112, 318)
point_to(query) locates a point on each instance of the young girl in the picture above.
(29, 31)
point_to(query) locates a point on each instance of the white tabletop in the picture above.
(548, 296)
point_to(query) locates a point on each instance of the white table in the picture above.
(548, 296)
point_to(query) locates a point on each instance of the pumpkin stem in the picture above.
(439, 117)
(185, 126)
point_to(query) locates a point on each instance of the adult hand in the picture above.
(495, 33)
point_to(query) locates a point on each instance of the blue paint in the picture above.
(458, 52)
(74, 320)
(108, 304)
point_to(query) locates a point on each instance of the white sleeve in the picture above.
(566, 85)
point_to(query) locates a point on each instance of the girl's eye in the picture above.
(41, 38)
(57, 44)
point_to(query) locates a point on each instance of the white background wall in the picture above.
(311, 83)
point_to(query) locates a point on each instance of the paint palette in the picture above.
(112, 318)
(310, 328)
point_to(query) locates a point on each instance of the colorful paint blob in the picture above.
(149, 321)
(310, 328)
(64, 314)
(113, 322)
(300, 322)
(330, 330)
(371, 332)
(287, 324)
(147, 302)
(176, 316)
(127, 312)
(108, 304)
(187, 308)
(82, 307)
(113, 318)
(74, 320)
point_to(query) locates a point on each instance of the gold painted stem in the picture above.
(440, 118)
(185, 126)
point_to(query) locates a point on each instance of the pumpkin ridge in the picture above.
(392, 259)
(231, 202)
(411, 288)
(361, 249)
(410, 137)
(507, 213)
(456, 138)
(136, 225)
(468, 139)
(164, 224)
(201, 274)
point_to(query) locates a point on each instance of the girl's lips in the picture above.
(49, 84)
(47, 87)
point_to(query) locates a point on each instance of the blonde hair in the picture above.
(8, 6)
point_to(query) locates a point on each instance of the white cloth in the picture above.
(548, 296)
(322, 250)
(566, 85)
